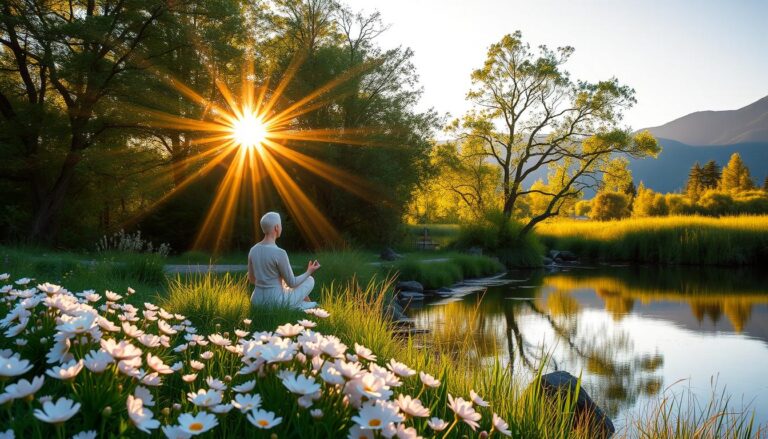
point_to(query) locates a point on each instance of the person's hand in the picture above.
(313, 266)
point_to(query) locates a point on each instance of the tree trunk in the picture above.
(43, 226)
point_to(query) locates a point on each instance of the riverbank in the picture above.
(219, 303)
(691, 240)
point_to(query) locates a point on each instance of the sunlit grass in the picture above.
(668, 240)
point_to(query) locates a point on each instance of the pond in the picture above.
(633, 333)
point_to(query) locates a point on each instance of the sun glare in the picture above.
(249, 131)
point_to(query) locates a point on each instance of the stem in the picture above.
(455, 421)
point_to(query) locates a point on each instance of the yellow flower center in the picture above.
(374, 422)
(196, 426)
(263, 422)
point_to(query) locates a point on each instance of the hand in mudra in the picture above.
(313, 266)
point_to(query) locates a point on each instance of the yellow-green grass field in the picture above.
(736, 240)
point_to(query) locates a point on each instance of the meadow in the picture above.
(212, 341)
(695, 240)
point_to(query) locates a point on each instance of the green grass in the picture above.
(436, 274)
(738, 240)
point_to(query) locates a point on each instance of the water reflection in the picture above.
(630, 331)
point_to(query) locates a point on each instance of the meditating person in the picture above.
(271, 273)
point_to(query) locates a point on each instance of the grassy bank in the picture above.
(738, 240)
(444, 269)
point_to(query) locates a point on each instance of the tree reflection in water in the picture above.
(572, 320)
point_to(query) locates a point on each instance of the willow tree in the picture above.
(530, 115)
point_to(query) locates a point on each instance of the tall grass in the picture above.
(436, 274)
(737, 240)
(500, 236)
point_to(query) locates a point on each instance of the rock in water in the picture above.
(409, 285)
(586, 409)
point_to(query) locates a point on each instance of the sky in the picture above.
(680, 56)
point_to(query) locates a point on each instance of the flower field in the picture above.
(89, 364)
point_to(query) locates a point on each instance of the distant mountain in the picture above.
(669, 172)
(704, 136)
(745, 125)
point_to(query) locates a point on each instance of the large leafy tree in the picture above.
(529, 114)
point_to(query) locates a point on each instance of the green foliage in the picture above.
(501, 237)
(146, 268)
(649, 203)
(609, 206)
(735, 176)
(583, 208)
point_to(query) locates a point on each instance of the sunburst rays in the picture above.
(251, 135)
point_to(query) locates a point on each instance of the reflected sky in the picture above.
(633, 332)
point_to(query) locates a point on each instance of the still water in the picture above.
(634, 333)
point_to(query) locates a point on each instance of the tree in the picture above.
(609, 206)
(617, 177)
(528, 114)
(735, 176)
(75, 58)
(710, 175)
(765, 184)
(694, 186)
(649, 203)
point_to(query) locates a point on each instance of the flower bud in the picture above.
(166, 411)
(107, 411)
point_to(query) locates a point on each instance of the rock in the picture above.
(478, 251)
(547, 261)
(409, 285)
(585, 408)
(553, 253)
(410, 295)
(563, 255)
(394, 312)
(389, 255)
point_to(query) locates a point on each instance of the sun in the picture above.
(249, 130)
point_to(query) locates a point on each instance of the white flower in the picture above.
(165, 327)
(152, 379)
(79, 324)
(197, 424)
(477, 399)
(215, 383)
(400, 369)
(370, 386)
(247, 403)
(316, 413)
(142, 417)
(404, 432)
(221, 408)
(157, 364)
(204, 398)
(245, 387)
(121, 350)
(289, 330)
(46, 288)
(112, 297)
(143, 394)
(318, 312)
(181, 347)
(333, 347)
(13, 366)
(247, 321)
(206, 355)
(412, 407)
(377, 415)
(66, 371)
(501, 425)
(357, 432)
(59, 412)
(177, 366)
(218, 340)
(90, 434)
(350, 370)
(149, 340)
(464, 410)
(263, 419)
(175, 432)
(5, 276)
(240, 333)
(307, 323)
(364, 352)
(24, 388)
(299, 384)
(331, 375)
(437, 424)
(98, 361)
(194, 364)
(429, 380)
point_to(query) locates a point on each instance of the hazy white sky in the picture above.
(679, 55)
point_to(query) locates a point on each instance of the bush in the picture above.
(582, 208)
(609, 206)
(501, 237)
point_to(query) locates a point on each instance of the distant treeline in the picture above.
(710, 191)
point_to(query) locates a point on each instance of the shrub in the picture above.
(609, 206)
(501, 237)
(582, 208)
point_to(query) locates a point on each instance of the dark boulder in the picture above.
(389, 255)
(563, 256)
(478, 251)
(409, 285)
(586, 410)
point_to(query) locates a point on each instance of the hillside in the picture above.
(745, 125)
